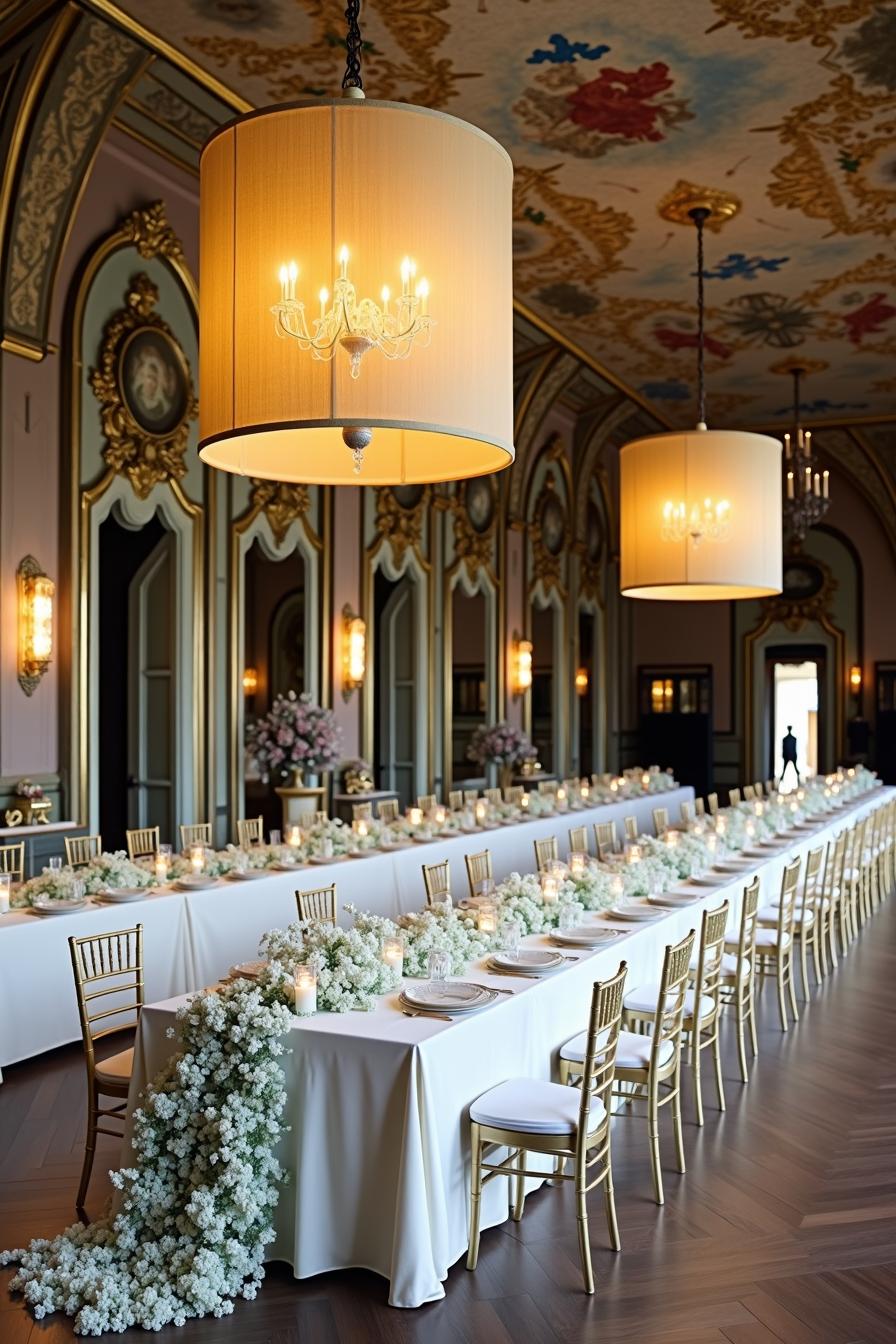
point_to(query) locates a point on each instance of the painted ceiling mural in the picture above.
(610, 109)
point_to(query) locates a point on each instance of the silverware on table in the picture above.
(439, 1017)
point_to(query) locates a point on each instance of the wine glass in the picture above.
(439, 964)
(509, 934)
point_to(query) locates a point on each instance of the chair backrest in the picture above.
(708, 980)
(321, 817)
(578, 839)
(749, 793)
(758, 788)
(790, 881)
(494, 796)
(602, 1038)
(318, 905)
(770, 787)
(513, 794)
(699, 807)
(661, 820)
(733, 797)
(437, 881)
(687, 813)
(548, 786)
(80, 849)
(545, 851)
(362, 811)
(12, 861)
(108, 971)
(832, 885)
(456, 800)
(387, 809)
(426, 803)
(749, 922)
(712, 802)
(667, 1022)
(199, 833)
(470, 796)
(143, 842)
(604, 838)
(249, 832)
(479, 869)
(813, 880)
(631, 828)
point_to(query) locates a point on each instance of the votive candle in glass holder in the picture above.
(306, 991)
(294, 836)
(487, 913)
(326, 847)
(5, 886)
(480, 812)
(671, 838)
(577, 862)
(524, 802)
(614, 785)
(712, 843)
(161, 867)
(440, 816)
(393, 954)
(721, 825)
(633, 853)
(617, 887)
(415, 816)
(585, 793)
(197, 858)
(645, 780)
(550, 888)
(561, 794)
(750, 829)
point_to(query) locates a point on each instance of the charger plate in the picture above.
(447, 996)
(530, 959)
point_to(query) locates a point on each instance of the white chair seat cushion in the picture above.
(729, 964)
(776, 902)
(116, 1069)
(642, 1002)
(768, 914)
(766, 938)
(533, 1106)
(632, 1050)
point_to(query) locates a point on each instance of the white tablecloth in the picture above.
(192, 939)
(378, 1151)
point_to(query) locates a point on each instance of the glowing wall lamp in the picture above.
(855, 679)
(354, 651)
(35, 623)
(250, 681)
(522, 665)
(581, 682)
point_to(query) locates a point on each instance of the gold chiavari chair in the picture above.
(770, 787)
(249, 831)
(108, 971)
(832, 906)
(545, 852)
(513, 794)
(733, 797)
(143, 842)
(12, 861)
(456, 800)
(318, 905)
(578, 839)
(774, 946)
(758, 789)
(712, 802)
(437, 881)
(493, 796)
(471, 796)
(661, 820)
(199, 833)
(806, 915)
(321, 817)
(631, 827)
(875, 855)
(651, 1065)
(80, 849)
(530, 1115)
(687, 813)
(387, 810)
(849, 886)
(604, 839)
(699, 807)
(426, 803)
(738, 983)
(702, 1005)
(362, 811)
(749, 793)
(548, 786)
(479, 870)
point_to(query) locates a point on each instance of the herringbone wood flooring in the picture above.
(782, 1232)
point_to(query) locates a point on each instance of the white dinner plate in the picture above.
(50, 907)
(584, 937)
(195, 882)
(248, 876)
(708, 880)
(334, 858)
(286, 867)
(361, 853)
(448, 996)
(732, 865)
(529, 959)
(248, 970)
(122, 895)
(635, 914)
(424, 839)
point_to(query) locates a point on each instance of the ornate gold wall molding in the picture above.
(549, 534)
(400, 514)
(281, 504)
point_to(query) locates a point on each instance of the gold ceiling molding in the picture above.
(686, 196)
(82, 86)
(280, 503)
(140, 357)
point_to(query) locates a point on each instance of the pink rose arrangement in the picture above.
(294, 732)
(499, 744)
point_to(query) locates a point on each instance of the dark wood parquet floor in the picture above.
(782, 1232)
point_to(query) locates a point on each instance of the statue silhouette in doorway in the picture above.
(788, 754)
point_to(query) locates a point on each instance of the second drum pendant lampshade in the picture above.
(356, 316)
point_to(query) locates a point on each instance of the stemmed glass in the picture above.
(509, 935)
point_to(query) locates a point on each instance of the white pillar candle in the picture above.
(440, 816)
(577, 863)
(633, 853)
(487, 917)
(550, 888)
(5, 883)
(306, 991)
(294, 836)
(561, 795)
(617, 886)
(197, 858)
(586, 793)
(415, 816)
(161, 868)
(326, 847)
(524, 802)
(480, 812)
(393, 954)
(645, 780)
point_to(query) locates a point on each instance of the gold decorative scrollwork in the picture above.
(400, 511)
(147, 455)
(475, 518)
(809, 587)
(281, 504)
(151, 234)
(549, 533)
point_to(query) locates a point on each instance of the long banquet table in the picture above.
(192, 938)
(377, 1151)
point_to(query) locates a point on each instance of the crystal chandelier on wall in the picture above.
(806, 487)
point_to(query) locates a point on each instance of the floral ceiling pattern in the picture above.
(788, 107)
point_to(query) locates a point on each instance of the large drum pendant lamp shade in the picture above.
(699, 476)
(300, 188)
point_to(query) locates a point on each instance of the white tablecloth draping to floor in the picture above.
(192, 939)
(378, 1151)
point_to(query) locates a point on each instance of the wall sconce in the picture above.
(250, 681)
(855, 679)
(581, 682)
(35, 623)
(354, 651)
(522, 665)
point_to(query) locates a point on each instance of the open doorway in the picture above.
(795, 685)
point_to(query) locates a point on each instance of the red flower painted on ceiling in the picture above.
(670, 339)
(618, 102)
(870, 318)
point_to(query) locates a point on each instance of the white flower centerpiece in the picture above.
(349, 965)
(521, 899)
(441, 927)
(103, 871)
